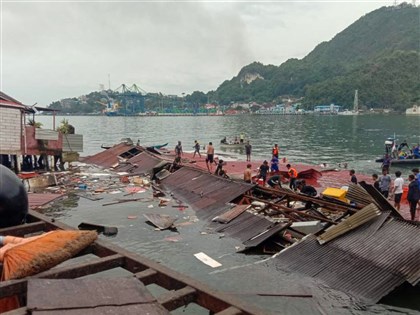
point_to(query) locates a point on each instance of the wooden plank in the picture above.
(18, 311)
(24, 229)
(132, 309)
(230, 311)
(174, 299)
(84, 269)
(53, 294)
(167, 278)
(147, 276)
(12, 287)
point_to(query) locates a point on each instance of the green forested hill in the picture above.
(379, 55)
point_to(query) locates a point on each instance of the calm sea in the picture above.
(310, 139)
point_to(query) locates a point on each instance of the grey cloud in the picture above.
(56, 50)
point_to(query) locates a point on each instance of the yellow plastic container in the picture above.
(336, 193)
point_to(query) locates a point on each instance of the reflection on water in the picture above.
(312, 139)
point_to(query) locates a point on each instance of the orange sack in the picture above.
(24, 257)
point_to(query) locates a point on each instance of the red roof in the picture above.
(7, 101)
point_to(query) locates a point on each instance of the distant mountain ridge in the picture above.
(379, 55)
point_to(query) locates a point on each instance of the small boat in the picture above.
(407, 161)
(155, 148)
(391, 150)
(158, 146)
(237, 144)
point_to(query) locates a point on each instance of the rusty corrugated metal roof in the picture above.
(40, 199)
(140, 164)
(109, 157)
(231, 214)
(204, 192)
(367, 263)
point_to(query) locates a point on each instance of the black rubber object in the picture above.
(13, 199)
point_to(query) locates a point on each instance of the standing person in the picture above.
(413, 196)
(241, 138)
(375, 181)
(274, 164)
(275, 150)
(386, 163)
(293, 174)
(263, 170)
(397, 191)
(210, 157)
(417, 177)
(353, 177)
(248, 149)
(178, 149)
(248, 174)
(196, 148)
(384, 183)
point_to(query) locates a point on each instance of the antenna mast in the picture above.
(356, 101)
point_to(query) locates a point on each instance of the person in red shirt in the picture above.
(293, 174)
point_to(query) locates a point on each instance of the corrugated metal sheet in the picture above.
(246, 226)
(265, 235)
(37, 200)
(109, 157)
(140, 164)
(228, 216)
(358, 195)
(46, 134)
(204, 192)
(380, 200)
(360, 217)
(367, 263)
(72, 143)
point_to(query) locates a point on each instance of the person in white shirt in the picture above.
(398, 190)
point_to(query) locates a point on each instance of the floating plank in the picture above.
(207, 260)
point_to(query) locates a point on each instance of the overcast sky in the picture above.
(56, 49)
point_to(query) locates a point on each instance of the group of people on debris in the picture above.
(275, 180)
(210, 159)
(394, 188)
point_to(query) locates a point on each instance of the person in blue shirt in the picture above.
(274, 164)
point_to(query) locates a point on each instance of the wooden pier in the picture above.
(180, 290)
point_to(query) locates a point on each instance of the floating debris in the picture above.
(207, 260)
(162, 221)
